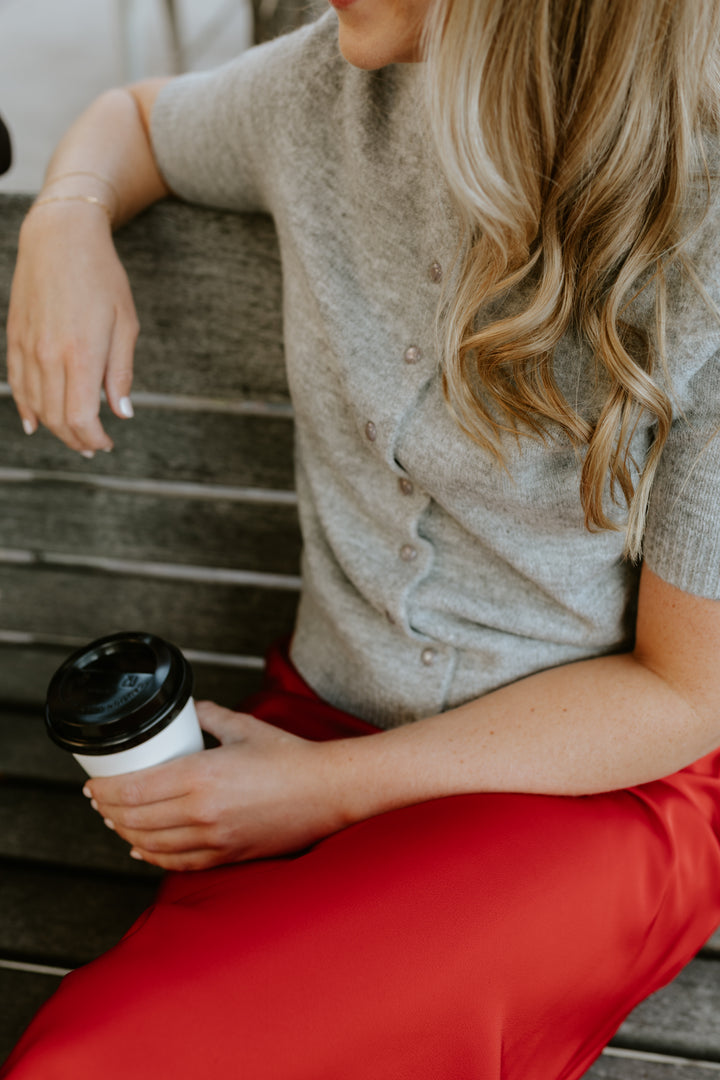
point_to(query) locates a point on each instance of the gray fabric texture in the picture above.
(430, 575)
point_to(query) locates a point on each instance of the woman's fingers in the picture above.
(203, 859)
(119, 372)
(28, 416)
(170, 814)
(81, 406)
(166, 841)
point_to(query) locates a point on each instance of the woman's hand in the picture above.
(72, 325)
(262, 792)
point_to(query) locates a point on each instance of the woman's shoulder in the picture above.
(298, 66)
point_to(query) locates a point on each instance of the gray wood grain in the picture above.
(21, 995)
(26, 670)
(83, 605)
(163, 444)
(207, 289)
(57, 826)
(26, 751)
(65, 917)
(713, 945)
(610, 1068)
(72, 517)
(683, 1018)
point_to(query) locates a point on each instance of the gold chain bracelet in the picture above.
(92, 199)
(85, 172)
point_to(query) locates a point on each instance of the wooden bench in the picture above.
(187, 529)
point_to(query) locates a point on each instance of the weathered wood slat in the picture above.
(57, 825)
(25, 671)
(207, 531)
(683, 1019)
(26, 751)
(167, 444)
(610, 1068)
(21, 993)
(183, 264)
(65, 917)
(713, 945)
(85, 604)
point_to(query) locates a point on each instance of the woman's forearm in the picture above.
(111, 140)
(596, 725)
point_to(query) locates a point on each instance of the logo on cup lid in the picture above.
(117, 692)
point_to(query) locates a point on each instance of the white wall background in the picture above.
(57, 55)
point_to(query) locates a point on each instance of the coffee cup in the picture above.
(123, 702)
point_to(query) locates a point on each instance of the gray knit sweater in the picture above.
(430, 575)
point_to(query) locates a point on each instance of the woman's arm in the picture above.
(597, 725)
(72, 324)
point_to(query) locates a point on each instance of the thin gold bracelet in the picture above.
(84, 172)
(92, 199)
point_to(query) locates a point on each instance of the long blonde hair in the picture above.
(571, 133)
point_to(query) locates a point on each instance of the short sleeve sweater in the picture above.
(430, 574)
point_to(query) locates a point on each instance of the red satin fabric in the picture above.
(477, 937)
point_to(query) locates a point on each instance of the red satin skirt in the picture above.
(475, 937)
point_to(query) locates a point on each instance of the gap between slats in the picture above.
(194, 403)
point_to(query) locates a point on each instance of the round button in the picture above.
(406, 486)
(371, 431)
(428, 657)
(435, 272)
(408, 553)
(413, 355)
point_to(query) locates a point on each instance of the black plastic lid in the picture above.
(116, 692)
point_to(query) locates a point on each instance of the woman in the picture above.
(498, 234)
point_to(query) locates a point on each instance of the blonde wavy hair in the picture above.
(571, 133)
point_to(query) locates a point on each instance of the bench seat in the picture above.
(189, 530)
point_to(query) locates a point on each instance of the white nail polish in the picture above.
(89, 454)
(28, 427)
(109, 823)
(87, 792)
(136, 855)
(125, 405)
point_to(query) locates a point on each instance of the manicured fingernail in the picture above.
(125, 405)
(28, 427)
(136, 855)
(87, 792)
(108, 449)
(93, 804)
(109, 823)
(88, 454)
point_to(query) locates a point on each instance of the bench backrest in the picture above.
(189, 528)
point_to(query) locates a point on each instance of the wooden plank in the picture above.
(193, 446)
(65, 917)
(68, 517)
(682, 1019)
(21, 995)
(200, 279)
(27, 752)
(713, 946)
(56, 825)
(612, 1068)
(83, 604)
(25, 671)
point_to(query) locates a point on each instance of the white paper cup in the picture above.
(124, 703)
